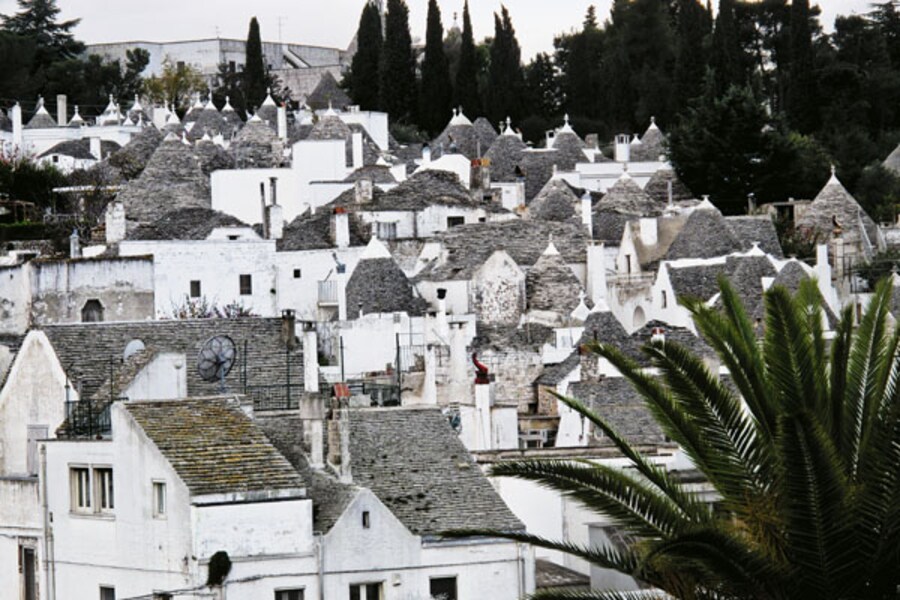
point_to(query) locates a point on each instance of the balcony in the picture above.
(86, 419)
(328, 293)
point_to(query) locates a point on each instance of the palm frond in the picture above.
(551, 594)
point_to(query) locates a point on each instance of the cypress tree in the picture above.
(364, 88)
(466, 92)
(801, 107)
(437, 93)
(692, 28)
(254, 69)
(726, 62)
(36, 20)
(397, 87)
(506, 81)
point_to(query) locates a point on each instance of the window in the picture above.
(180, 65)
(246, 282)
(234, 238)
(92, 311)
(297, 273)
(454, 221)
(107, 592)
(159, 499)
(289, 594)
(386, 231)
(55, 158)
(81, 489)
(442, 588)
(231, 66)
(28, 569)
(365, 591)
(365, 519)
(195, 289)
(103, 479)
(665, 301)
(628, 264)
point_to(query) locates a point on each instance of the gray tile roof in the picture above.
(552, 286)
(378, 285)
(375, 173)
(134, 156)
(616, 401)
(328, 92)
(313, 232)
(330, 497)
(548, 574)
(699, 281)
(658, 187)
(705, 235)
(834, 201)
(538, 168)
(569, 146)
(190, 223)
(256, 147)
(456, 139)
(760, 230)
(553, 374)
(626, 196)
(505, 155)
(213, 446)
(484, 133)
(469, 246)
(172, 179)
(88, 351)
(212, 157)
(418, 467)
(209, 122)
(652, 146)
(555, 202)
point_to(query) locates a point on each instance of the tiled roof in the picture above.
(87, 351)
(658, 187)
(418, 467)
(213, 446)
(134, 156)
(760, 230)
(377, 285)
(185, 224)
(552, 286)
(616, 401)
(330, 497)
(172, 179)
(705, 235)
(548, 574)
(328, 93)
(313, 232)
(505, 155)
(697, 281)
(555, 202)
(256, 147)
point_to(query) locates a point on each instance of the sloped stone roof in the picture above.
(467, 247)
(375, 173)
(570, 147)
(619, 404)
(652, 146)
(553, 374)
(892, 162)
(172, 179)
(212, 156)
(256, 147)
(537, 166)
(555, 202)
(456, 139)
(658, 187)
(41, 120)
(313, 232)
(417, 466)
(680, 335)
(209, 122)
(485, 133)
(213, 446)
(608, 226)
(191, 223)
(328, 92)
(134, 156)
(378, 285)
(505, 155)
(834, 201)
(87, 350)
(626, 196)
(548, 574)
(698, 281)
(551, 285)
(81, 149)
(760, 230)
(329, 127)
(528, 337)
(705, 235)
(745, 274)
(424, 189)
(268, 114)
(790, 276)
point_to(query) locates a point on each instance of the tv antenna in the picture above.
(216, 359)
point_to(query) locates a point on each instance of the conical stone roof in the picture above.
(658, 187)
(555, 202)
(834, 202)
(256, 147)
(652, 146)
(505, 155)
(378, 285)
(705, 235)
(212, 156)
(625, 196)
(551, 285)
(485, 133)
(210, 122)
(328, 93)
(131, 159)
(172, 179)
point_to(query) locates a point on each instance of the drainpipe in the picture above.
(320, 548)
(49, 565)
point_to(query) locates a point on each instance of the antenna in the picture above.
(216, 359)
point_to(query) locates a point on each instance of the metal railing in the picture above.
(275, 397)
(328, 292)
(381, 394)
(88, 418)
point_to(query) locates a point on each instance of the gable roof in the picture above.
(190, 223)
(213, 446)
(417, 466)
(86, 351)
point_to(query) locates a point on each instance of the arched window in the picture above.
(92, 311)
(639, 319)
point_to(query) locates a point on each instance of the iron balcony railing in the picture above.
(275, 397)
(88, 418)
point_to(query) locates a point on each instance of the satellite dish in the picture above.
(132, 348)
(216, 359)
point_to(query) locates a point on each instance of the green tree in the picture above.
(465, 92)
(506, 81)
(397, 71)
(21, 178)
(37, 20)
(544, 97)
(802, 448)
(801, 105)
(728, 60)
(175, 85)
(17, 58)
(691, 32)
(255, 83)
(363, 78)
(437, 92)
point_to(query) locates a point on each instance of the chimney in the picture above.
(483, 403)
(623, 148)
(458, 363)
(346, 475)
(340, 223)
(520, 193)
(485, 182)
(115, 222)
(592, 140)
(649, 231)
(74, 245)
(273, 187)
(341, 277)
(596, 273)
(429, 385)
(670, 193)
(282, 123)
(426, 154)
(443, 328)
(310, 357)
(61, 116)
(289, 328)
(262, 206)
(274, 222)
(587, 216)
(357, 138)
(16, 117)
(96, 151)
(363, 191)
